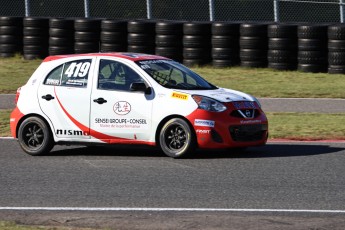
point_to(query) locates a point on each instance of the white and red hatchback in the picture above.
(126, 98)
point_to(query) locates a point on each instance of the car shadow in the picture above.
(267, 151)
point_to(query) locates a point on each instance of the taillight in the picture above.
(17, 95)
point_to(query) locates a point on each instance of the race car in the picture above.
(129, 98)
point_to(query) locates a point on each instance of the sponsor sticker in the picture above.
(204, 123)
(122, 123)
(179, 96)
(244, 105)
(122, 107)
(201, 131)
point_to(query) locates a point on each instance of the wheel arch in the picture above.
(161, 124)
(33, 115)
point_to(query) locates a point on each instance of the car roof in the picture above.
(128, 56)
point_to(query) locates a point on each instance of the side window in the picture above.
(54, 76)
(114, 75)
(71, 74)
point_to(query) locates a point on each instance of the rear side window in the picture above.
(71, 74)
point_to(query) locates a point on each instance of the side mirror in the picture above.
(140, 86)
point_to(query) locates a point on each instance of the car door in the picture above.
(118, 114)
(64, 97)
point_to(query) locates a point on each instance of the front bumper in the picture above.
(229, 129)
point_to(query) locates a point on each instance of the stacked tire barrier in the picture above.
(87, 35)
(312, 48)
(169, 39)
(282, 46)
(253, 45)
(308, 47)
(196, 43)
(336, 49)
(141, 36)
(11, 34)
(61, 36)
(36, 37)
(113, 36)
(225, 44)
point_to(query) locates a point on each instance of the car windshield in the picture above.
(173, 75)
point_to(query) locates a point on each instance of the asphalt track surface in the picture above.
(284, 185)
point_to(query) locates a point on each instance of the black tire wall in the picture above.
(11, 36)
(36, 37)
(306, 47)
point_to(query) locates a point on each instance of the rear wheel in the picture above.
(176, 138)
(34, 136)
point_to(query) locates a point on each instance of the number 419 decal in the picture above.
(78, 70)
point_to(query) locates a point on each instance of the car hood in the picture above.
(221, 94)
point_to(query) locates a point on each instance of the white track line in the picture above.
(168, 209)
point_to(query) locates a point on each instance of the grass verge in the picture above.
(5, 122)
(7, 225)
(307, 126)
(14, 72)
(299, 126)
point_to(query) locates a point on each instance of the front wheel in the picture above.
(34, 136)
(176, 138)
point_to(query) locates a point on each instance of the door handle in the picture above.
(100, 100)
(48, 97)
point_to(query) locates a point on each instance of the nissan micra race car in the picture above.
(127, 98)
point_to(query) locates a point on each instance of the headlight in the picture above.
(208, 104)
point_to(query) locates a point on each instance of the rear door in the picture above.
(64, 97)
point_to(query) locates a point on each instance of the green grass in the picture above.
(306, 126)
(6, 225)
(301, 126)
(5, 122)
(276, 84)
(14, 72)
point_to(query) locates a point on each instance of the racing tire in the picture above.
(61, 23)
(35, 31)
(336, 69)
(224, 41)
(168, 28)
(110, 25)
(336, 45)
(84, 24)
(312, 68)
(282, 66)
(282, 44)
(226, 29)
(253, 30)
(197, 28)
(312, 31)
(336, 58)
(254, 64)
(282, 31)
(336, 32)
(113, 47)
(35, 137)
(311, 44)
(176, 138)
(141, 27)
(11, 21)
(194, 62)
(253, 43)
(196, 41)
(172, 40)
(36, 22)
(223, 63)
(11, 30)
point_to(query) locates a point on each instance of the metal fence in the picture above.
(318, 11)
